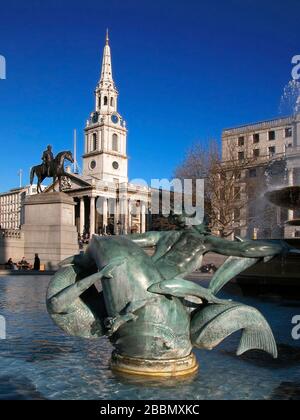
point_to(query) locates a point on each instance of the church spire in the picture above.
(106, 71)
(106, 91)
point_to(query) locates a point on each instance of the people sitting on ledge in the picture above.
(10, 265)
(23, 265)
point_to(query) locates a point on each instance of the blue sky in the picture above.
(185, 69)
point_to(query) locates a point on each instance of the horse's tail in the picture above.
(32, 173)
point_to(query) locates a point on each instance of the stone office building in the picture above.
(11, 204)
(272, 152)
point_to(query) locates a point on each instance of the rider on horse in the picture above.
(47, 158)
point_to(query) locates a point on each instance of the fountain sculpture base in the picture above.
(154, 368)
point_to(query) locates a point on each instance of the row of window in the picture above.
(271, 136)
(8, 200)
(105, 101)
(115, 142)
(258, 152)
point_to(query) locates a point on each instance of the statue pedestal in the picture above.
(154, 368)
(49, 228)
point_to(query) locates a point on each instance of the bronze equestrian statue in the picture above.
(51, 168)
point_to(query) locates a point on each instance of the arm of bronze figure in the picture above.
(147, 239)
(247, 248)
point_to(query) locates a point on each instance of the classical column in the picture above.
(82, 216)
(104, 213)
(92, 216)
(143, 217)
(129, 216)
(291, 184)
(116, 216)
(124, 215)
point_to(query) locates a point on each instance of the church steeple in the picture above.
(106, 92)
(106, 71)
(105, 155)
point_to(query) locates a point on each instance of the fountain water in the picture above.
(289, 198)
(290, 99)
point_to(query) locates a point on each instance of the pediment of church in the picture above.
(69, 183)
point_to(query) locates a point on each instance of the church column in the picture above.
(104, 212)
(129, 216)
(124, 215)
(116, 216)
(92, 216)
(143, 217)
(82, 216)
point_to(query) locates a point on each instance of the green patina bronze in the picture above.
(144, 305)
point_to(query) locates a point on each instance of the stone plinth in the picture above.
(49, 228)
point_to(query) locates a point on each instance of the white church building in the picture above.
(105, 201)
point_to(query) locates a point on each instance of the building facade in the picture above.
(11, 205)
(271, 153)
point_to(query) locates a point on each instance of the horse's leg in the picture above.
(38, 187)
(41, 180)
(54, 180)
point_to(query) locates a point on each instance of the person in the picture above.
(37, 263)
(47, 158)
(23, 264)
(10, 264)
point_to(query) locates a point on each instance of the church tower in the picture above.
(105, 155)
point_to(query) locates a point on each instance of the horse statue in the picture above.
(57, 170)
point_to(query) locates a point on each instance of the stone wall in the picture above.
(11, 245)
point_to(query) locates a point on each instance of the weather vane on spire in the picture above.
(107, 37)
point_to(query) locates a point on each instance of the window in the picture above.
(93, 164)
(272, 135)
(241, 141)
(111, 101)
(288, 132)
(237, 193)
(105, 100)
(237, 232)
(238, 175)
(237, 214)
(115, 143)
(256, 138)
(241, 155)
(94, 144)
(256, 153)
(99, 101)
(272, 151)
(252, 173)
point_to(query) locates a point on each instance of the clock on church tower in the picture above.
(105, 156)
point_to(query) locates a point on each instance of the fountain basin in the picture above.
(288, 198)
(38, 361)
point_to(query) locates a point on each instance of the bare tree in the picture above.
(226, 198)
